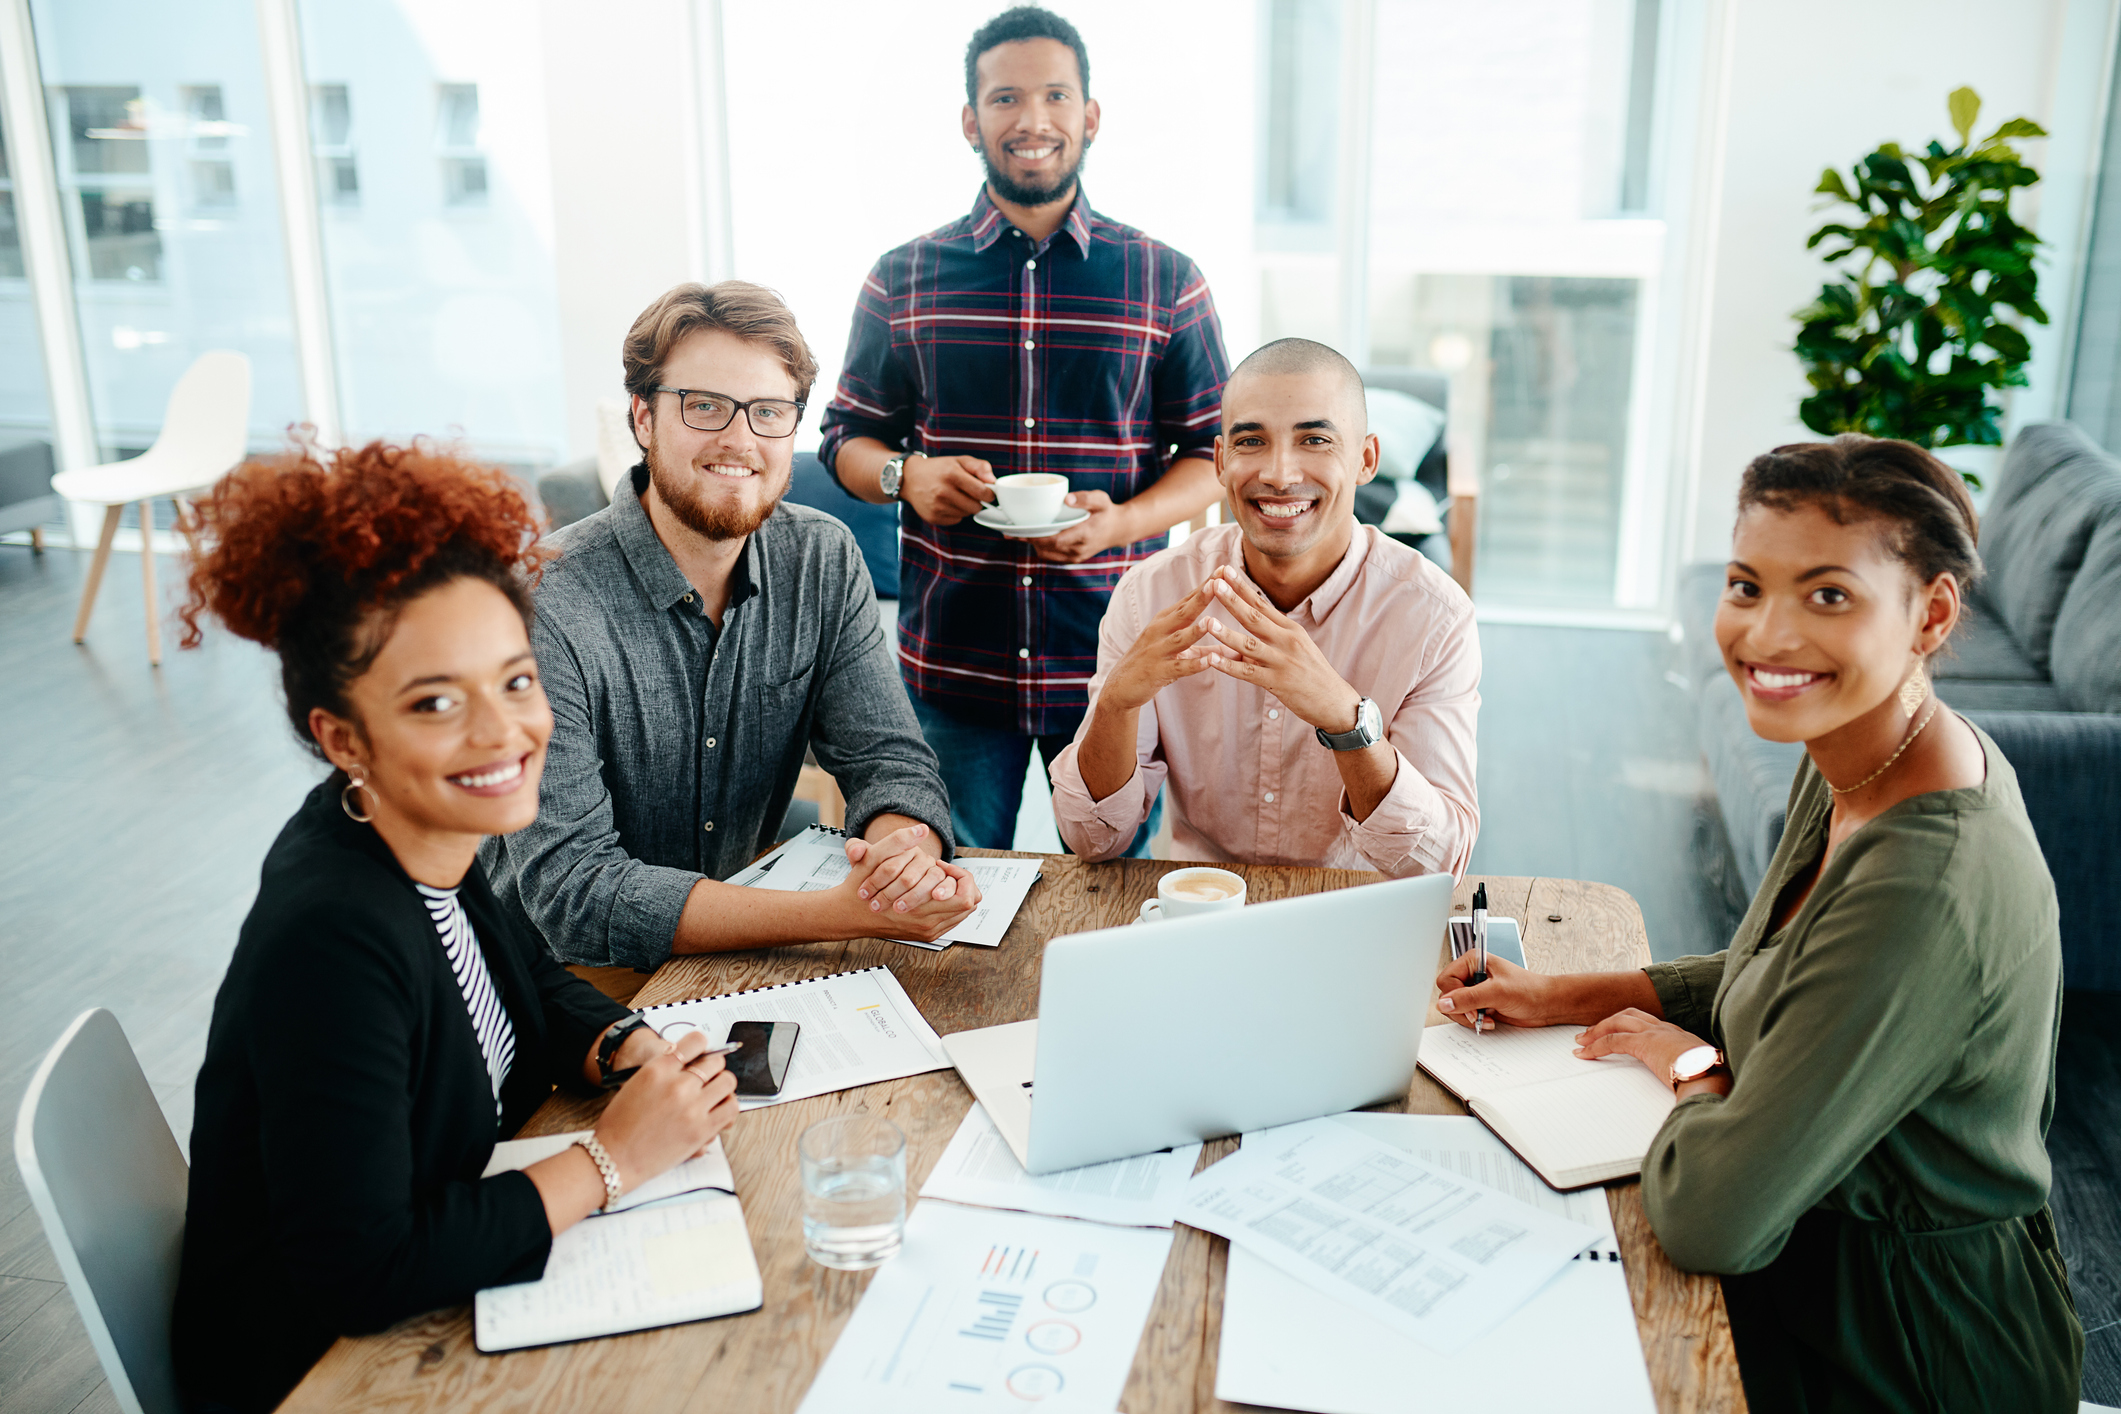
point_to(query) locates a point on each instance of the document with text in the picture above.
(979, 1167)
(1434, 1255)
(984, 1310)
(817, 859)
(858, 1028)
(1573, 1345)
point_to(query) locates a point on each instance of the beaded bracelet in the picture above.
(613, 1186)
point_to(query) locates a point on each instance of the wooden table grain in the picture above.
(763, 1362)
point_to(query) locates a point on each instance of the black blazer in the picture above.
(344, 1113)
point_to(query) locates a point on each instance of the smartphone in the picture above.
(761, 1068)
(1504, 940)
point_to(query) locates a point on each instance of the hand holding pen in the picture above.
(1480, 944)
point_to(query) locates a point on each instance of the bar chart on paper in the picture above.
(988, 1310)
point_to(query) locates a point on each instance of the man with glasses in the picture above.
(1031, 335)
(694, 638)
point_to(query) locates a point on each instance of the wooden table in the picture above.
(763, 1362)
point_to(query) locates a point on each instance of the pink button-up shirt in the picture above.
(1248, 779)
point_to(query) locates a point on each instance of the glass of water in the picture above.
(854, 1191)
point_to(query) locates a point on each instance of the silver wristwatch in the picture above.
(1369, 730)
(894, 471)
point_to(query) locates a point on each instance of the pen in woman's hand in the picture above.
(1480, 940)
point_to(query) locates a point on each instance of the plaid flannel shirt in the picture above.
(1096, 354)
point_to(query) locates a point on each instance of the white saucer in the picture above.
(993, 519)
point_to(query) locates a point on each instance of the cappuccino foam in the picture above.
(1203, 890)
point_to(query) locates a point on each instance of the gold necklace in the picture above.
(1904, 745)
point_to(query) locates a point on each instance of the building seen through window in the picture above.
(331, 135)
(207, 131)
(463, 168)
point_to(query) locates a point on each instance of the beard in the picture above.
(679, 489)
(1025, 193)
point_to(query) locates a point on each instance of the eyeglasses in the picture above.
(711, 412)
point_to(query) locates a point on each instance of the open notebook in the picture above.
(1577, 1122)
(675, 1249)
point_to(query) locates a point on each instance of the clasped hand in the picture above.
(1258, 644)
(923, 896)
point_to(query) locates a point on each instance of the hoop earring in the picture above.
(348, 795)
(1914, 690)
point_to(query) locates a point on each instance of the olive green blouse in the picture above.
(1891, 1047)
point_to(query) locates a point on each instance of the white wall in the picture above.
(1817, 83)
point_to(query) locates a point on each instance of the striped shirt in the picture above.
(1094, 353)
(489, 1019)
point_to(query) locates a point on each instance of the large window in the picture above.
(170, 205)
(428, 125)
(1506, 249)
(24, 413)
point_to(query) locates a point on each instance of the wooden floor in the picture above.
(139, 802)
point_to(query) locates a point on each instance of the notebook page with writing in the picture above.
(633, 1271)
(1471, 1066)
(1585, 1128)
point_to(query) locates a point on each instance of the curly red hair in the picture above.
(313, 554)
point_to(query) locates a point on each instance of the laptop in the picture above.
(1162, 1033)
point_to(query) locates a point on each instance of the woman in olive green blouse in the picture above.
(1865, 1077)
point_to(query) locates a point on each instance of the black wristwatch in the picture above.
(1369, 729)
(609, 1047)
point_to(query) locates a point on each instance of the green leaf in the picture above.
(2018, 127)
(1965, 105)
(1830, 184)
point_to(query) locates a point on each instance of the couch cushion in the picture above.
(1982, 649)
(1981, 695)
(1700, 588)
(2055, 490)
(2088, 630)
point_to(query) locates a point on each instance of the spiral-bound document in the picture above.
(817, 859)
(858, 1028)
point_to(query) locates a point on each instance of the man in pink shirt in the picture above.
(1305, 686)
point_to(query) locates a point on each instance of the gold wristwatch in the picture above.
(1695, 1062)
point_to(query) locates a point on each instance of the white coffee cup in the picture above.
(1185, 892)
(1031, 497)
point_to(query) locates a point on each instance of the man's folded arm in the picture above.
(864, 732)
(1103, 828)
(1428, 820)
(593, 903)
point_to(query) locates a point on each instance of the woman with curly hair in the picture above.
(382, 1023)
(1865, 1077)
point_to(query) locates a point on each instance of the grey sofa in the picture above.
(2036, 664)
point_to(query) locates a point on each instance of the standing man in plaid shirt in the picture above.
(1032, 334)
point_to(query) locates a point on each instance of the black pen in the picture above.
(1480, 940)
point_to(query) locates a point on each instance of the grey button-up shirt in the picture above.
(675, 748)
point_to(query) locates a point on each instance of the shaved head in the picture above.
(1300, 358)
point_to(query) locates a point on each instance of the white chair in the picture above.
(204, 433)
(109, 1182)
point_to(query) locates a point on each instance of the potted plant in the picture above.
(1933, 275)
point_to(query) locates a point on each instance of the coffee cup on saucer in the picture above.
(1031, 497)
(1185, 892)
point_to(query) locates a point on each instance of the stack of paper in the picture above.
(1417, 1247)
(817, 859)
(979, 1168)
(1573, 1345)
(996, 1311)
